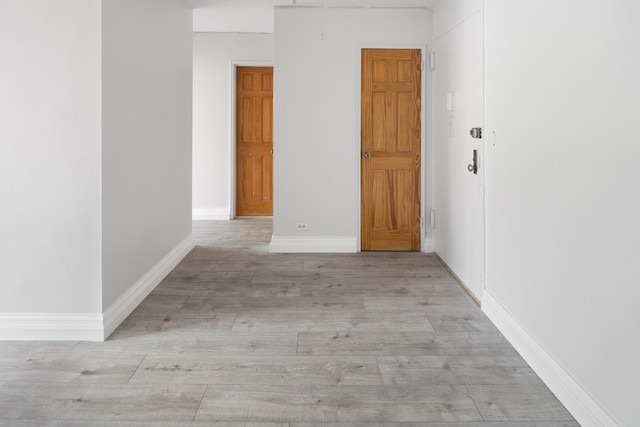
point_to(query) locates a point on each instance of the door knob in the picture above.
(367, 155)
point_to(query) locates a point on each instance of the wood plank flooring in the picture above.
(235, 336)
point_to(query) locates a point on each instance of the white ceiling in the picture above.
(256, 16)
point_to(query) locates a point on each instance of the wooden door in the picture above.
(254, 141)
(391, 138)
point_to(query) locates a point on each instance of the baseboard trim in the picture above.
(313, 245)
(429, 245)
(50, 327)
(577, 401)
(117, 312)
(458, 279)
(210, 214)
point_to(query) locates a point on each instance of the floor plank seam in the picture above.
(475, 404)
(144, 358)
(204, 392)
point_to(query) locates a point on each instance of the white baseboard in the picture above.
(50, 327)
(210, 214)
(90, 326)
(577, 401)
(429, 245)
(313, 245)
(123, 306)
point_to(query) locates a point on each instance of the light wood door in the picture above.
(391, 138)
(254, 141)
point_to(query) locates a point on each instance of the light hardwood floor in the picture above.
(236, 336)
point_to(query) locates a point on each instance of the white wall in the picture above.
(316, 117)
(95, 120)
(459, 194)
(147, 83)
(50, 240)
(213, 58)
(234, 17)
(563, 236)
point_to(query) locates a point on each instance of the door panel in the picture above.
(459, 199)
(254, 141)
(391, 134)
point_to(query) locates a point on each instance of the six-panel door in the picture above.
(391, 139)
(254, 138)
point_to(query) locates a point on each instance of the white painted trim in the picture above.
(429, 245)
(90, 326)
(575, 398)
(51, 327)
(123, 306)
(313, 245)
(211, 214)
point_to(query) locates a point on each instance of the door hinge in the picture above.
(432, 60)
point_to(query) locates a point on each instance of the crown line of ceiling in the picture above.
(292, 6)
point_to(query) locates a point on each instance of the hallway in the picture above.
(237, 335)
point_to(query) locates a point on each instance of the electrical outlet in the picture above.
(302, 226)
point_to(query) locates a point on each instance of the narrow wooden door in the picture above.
(254, 141)
(391, 138)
